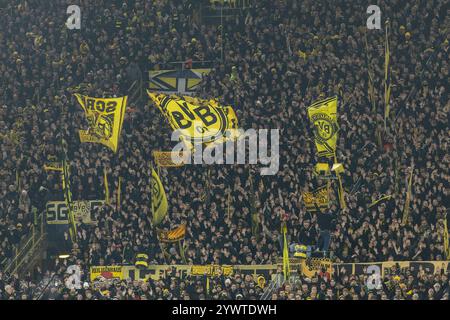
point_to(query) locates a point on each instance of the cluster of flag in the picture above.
(323, 118)
(199, 120)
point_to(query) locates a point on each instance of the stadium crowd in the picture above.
(399, 284)
(269, 63)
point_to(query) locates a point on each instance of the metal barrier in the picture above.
(26, 251)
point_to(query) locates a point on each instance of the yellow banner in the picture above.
(211, 270)
(105, 117)
(57, 212)
(159, 199)
(313, 266)
(164, 158)
(323, 117)
(53, 166)
(198, 120)
(318, 196)
(173, 235)
(108, 272)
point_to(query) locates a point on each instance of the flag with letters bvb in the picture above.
(105, 117)
(198, 120)
(323, 117)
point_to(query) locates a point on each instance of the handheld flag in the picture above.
(323, 117)
(159, 199)
(105, 117)
(199, 121)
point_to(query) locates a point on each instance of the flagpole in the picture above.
(181, 247)
(387, 86)
(286, 267)
(106, 186)
(340, 188)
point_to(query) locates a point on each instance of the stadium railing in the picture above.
(27, 254)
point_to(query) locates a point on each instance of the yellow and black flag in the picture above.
(198, 120)
(159, 199)
(323, 117)
(68, 199)
(320, 196)
(174, 235)
(446, 242)
(387, 77)
(105, 117)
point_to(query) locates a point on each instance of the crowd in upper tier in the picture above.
(285, 54)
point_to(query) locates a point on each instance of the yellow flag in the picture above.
(159, 199)
(68, 199)
(118, 193)
(320, 196)
(387, 77)
(198, 120)
(323, 117)
(105, 117)
(286, 266)
(173, 235)
(446, 244)
(105, 182)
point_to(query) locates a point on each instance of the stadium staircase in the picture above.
(273, 286)
(30, 250)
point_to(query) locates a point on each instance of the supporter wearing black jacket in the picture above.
(325, 222)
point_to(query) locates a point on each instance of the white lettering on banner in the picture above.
(57, 211)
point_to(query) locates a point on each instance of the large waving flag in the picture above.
(105, 117)
(199, 120)
(323, 117)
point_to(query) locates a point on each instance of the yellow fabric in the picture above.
(173, 235)
(199, 121)
(159, 199)
(105, 117)
(323, 117)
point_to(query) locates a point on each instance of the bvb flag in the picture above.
(159, 199)
(105, 117)
(322, 115)
(198, 120)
